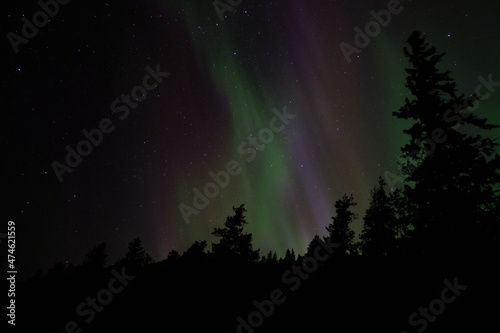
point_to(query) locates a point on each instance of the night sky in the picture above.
(215, 109)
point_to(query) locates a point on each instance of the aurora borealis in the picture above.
(226, 77)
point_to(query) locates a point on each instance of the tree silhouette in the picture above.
(378, 236)
(449, 174)
(313, 244)
(196, 251)
(339, 230)
(173, 255)
(96, 258)
(234, 244)
(403, 227)
(271, 258)
(289, 257)
(136, 256)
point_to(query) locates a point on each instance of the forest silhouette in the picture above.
(443, 223)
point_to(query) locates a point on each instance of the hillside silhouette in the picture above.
(442, 224)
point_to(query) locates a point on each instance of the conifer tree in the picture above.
(339, 230)
(378, 236)
(96, 258)
(136, 255)
(450, 169)
(234, 243)
(196, 251)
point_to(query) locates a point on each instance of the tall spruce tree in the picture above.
(379, 234)
(339, 230)
(450, 169)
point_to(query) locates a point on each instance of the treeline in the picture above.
(447, 211)
(450, 176)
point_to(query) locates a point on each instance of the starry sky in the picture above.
(229, 76)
